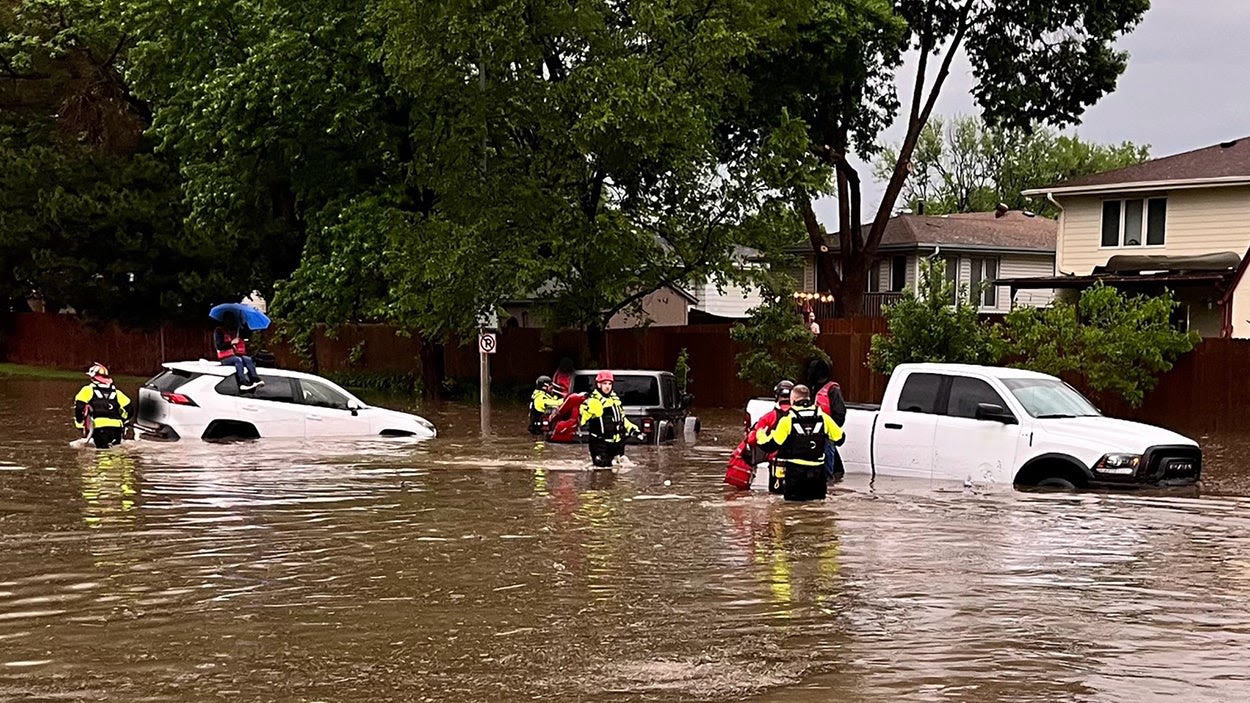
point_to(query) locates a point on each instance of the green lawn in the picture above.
(51, 373)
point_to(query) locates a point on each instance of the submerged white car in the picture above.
(201, 399)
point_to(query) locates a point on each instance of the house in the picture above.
(666, 307)
(1180, 223)
(978, 246)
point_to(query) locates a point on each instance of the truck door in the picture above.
(903, 438)
(969, 449)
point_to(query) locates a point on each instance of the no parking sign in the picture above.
(486, 342)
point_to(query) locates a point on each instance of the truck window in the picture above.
(920, 393)
(637, 390)
(670, 391)
(966, 393)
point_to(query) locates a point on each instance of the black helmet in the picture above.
(542, 382)
(782, 389)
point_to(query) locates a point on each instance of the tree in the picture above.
(778, 344)
(90, 216)
(442, 158)
(926, 326)
(1034, 62)
(965, 165)
(1114, 342)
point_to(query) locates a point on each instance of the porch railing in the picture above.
(874, 305)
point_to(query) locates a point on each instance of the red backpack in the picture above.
(822, 396)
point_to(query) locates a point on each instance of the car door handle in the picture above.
(251, 408)
(893, 426)
(314, 418)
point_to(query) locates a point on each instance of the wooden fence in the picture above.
(1206, 391)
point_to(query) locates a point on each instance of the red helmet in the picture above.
(99, 373)
(604, 376)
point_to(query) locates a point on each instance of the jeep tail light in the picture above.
(646, 424)
(178, 399)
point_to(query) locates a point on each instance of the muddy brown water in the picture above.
(464, 569)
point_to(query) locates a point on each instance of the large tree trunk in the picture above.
(596, 341)
(849, 301)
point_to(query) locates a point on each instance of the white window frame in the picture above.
(1145, 223)
(976, 271)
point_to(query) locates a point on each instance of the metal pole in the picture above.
(484, 378)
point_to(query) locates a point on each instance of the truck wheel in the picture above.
(1056, 483)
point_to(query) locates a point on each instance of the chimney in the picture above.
(919, 207)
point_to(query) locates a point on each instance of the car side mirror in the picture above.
(995, 413)
(353, 406)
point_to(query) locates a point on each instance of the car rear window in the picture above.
(170, 380)
(632, 390)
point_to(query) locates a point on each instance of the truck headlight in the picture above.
(1118, 464)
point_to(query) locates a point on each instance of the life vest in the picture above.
(822, 396)
(234, 346)
(806, 443)
(610, 423)
(104, 403)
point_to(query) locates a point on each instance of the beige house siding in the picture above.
(1199, 221)
(734, 302)
(1241, 309)
(1009, 266)
(1020, 266)
(663, 308)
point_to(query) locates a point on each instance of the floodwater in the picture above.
(468, 570)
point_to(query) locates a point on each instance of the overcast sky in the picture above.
(1187, 86)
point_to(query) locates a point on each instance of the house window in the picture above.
(898, 273)
(985, 270)
(952, 277)
(1134, 222)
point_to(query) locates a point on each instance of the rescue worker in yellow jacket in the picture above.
(542, 402)
(799, 439)
(604, 420)
(100, 409)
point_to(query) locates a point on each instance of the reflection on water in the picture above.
(464, 570)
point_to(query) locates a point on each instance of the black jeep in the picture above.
(650, 399)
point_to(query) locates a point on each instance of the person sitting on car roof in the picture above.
(605, 421)
(230, 343)
(100, 409)
(542, 402)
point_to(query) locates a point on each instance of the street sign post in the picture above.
(487, 342)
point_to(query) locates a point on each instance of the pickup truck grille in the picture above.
(1171, 464)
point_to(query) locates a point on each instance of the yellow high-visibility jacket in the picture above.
(107, 406)
(544, 402)
(795, 435)
(604, 418)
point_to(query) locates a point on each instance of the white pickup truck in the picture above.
(985, 424)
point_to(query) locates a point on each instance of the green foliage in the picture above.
(446, 157)
(392, 383)
(1116, 343)
(356, 354)
(778, 344)
(90, 217)
(965, 165)
(926, 326)
(681, 370)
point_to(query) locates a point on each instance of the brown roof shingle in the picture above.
(1224, 160)
(982, 230)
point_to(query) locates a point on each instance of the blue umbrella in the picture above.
(253, 318)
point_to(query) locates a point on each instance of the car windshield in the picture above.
(1049, 397)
